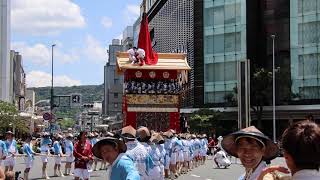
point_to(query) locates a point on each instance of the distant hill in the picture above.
(89, 93)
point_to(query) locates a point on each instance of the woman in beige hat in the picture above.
(253, 148)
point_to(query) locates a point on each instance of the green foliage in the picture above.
(10, 118)
(204, 120)
(66, 123)
(89, 94)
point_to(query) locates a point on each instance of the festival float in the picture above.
(152, 85)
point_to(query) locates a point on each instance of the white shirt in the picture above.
(306, 174)
(255, 174)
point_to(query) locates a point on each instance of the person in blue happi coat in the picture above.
(112, 150)
(12, 149)
(3, 151)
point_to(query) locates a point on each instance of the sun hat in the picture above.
(157, 138)
(229, 142)
(69, 135)
(10, 132)
(118, 142)
(167, 134)
(129, 133)
(143, 133)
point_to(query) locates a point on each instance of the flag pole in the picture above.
(144, 6)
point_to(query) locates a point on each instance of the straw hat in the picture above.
(129, 132)
(172, 131)
(108, 134)
(143, 133)
(168, 134)
(157, 138)
(9, 132)
(230, 146)
(118, 142)
(95, 134)
(58, 136)
(69, 135)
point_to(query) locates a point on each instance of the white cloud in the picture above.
(40, 54)
(131, 13)
(106, 22)
(95, 51)
(43, 79)
(39, 17)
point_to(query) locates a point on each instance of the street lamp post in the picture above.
(273, 91)
(51, 92)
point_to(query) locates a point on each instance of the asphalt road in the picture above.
(204, 172)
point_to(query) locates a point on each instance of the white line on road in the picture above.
(193, 175)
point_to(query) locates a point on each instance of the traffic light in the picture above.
(75, 100)
(88, 105)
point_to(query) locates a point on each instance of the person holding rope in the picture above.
(11, 145)
(3, 151)
(69, 153)
(27, 150)
(45, 152)
(58, 154)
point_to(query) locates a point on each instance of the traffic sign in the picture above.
(75, 100)
(47, 116)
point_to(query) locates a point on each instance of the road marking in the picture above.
(208, 179)
(193, 175)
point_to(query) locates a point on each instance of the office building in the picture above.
(218, 34)
(17, 80)
(5, 50)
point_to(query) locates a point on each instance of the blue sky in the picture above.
(81, 30)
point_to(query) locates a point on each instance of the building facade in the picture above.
(112, 82)
(218, 34)
(17, 80)
(5, 50)
(171, 27)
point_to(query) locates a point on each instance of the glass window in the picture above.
(208, 17)
(230, 14)
(208, 44)
(311, 92)
(218, 43)
(308, 65)
(305, 6)
(308, 33)
(218, 15)
(215, 97)
(115, 95)
(230, 71)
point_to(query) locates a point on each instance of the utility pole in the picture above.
(273, 91)
(51, 92)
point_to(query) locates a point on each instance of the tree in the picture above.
(261, 92)
(9, 118)
(203, 120)
(66, 123)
